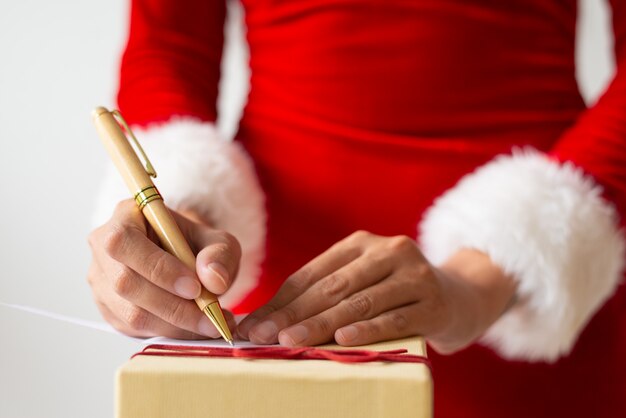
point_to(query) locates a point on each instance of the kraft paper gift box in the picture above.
(190, 387)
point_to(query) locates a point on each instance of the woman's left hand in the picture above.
(369, 288)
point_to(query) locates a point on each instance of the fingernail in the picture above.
(264, 332)
(348, 333)
(187, 287)
(206, 328)
(219, 275)
(294, 336)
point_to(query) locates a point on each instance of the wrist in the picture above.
(479, 293)
(495, 289)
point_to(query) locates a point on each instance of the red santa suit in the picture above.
(456, 122)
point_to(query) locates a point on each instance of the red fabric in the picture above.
(285, 353)
(362, 112)
(172, 60)
(597, 141)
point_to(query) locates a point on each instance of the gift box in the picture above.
(328, 381)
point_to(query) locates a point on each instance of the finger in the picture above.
(172, 309)
(93, 274)
(112, 319)
(97, 282)
(218, 253)
(218, 261)
(138, 322)
(103, 297)
(131, 247)
(324, 294)
(127, 215)
(134, 321)
(331, 260)
(366, 304)
(152, 325)
(401, 322)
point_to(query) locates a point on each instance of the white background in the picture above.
(58, 60)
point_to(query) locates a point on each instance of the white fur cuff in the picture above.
(197, 170)
(548, 226)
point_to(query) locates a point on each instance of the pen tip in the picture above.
(232, 344)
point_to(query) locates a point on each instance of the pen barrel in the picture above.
(137, 180)
(121, 152)
(173, 241)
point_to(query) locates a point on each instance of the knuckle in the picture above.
(290, 314)
(298, 282)
(91, 280)
(175, 313)
(123, 205)
(401, 243)
(333, 285)
(136, 318)
(115, 240)
(158, 266)
(123, 283)
(91, 274)
(92, 238)
(399, 321)
(225, 239)
(322, 324)
(265, 310)
(362, 305)
(423, 271)
(291, 287)
(359, 235)
(233, 245)
(409, 281)
(301, 280)
(223, 252)
(261, 313)
(372, 330)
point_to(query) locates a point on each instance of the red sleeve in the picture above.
(597, 142)
(171, 65)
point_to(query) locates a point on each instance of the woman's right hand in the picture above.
(143, 291)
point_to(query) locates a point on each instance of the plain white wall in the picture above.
(57, 61)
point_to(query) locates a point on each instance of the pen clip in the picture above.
(148, 165)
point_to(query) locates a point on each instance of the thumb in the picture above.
(218, 253)
(218, 261)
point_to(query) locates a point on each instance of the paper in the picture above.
(97, 325)
(203, 343)
(103, 326)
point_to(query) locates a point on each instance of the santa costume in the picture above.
(458, 123)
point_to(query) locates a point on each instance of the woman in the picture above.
(387, 118)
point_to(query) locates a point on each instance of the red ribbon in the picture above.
(282, 353)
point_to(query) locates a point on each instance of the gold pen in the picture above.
(150, 202)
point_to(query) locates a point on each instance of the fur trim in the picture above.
(198, 170)
(548, 226)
